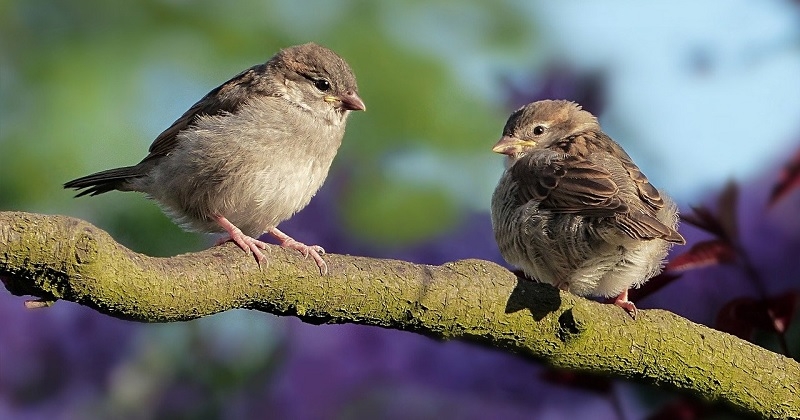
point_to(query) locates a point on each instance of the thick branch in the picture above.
(56, 257)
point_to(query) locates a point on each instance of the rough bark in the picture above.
(61, 258)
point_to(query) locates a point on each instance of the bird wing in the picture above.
(226, 98)
(568, 185)
(575, 185)
(647, 192)
(642, 222)
(643, 225)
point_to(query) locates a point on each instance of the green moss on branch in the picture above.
(61, 258)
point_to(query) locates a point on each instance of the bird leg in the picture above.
(313, 250)
(623, 302)
(245, 242)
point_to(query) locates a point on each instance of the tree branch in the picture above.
(62, 258)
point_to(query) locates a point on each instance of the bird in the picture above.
(573, 210)
(249, 154)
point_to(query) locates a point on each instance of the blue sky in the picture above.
(698, 92)
(711, 89)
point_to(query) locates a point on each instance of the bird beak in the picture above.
(511, 145)
(349, 101)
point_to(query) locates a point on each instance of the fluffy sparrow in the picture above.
(251, 153)
(573, 210)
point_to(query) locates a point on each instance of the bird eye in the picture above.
(538, 130)
(322, 84)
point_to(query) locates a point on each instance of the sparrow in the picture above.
(573, 210)
(249, 154)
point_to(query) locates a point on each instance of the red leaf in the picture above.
(653, 285)
(781, 310)
(703, 254)
(682, 409)
(742, 315)
(727, 211)
(789, 179)
(702, 218)
(592, 383)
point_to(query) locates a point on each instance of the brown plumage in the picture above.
(249, 154)
(573, 210)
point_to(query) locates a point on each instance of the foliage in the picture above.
(87, 85)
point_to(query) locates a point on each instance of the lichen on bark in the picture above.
(61, 258)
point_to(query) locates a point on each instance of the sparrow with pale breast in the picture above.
(251, 153)
(573, 210)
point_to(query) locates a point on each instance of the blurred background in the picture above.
(699, 93)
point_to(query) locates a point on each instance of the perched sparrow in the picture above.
(573, 210)
(251, 153)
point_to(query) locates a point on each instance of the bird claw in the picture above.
(315, 251)
(248, 244)
(623, 302)
(304, 249)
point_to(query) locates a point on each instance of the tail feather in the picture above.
(104, 181)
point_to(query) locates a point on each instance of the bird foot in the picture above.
(315, 251)
(623, 302)
(250, 245)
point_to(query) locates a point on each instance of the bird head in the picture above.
(316, 78)
(539, 125)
